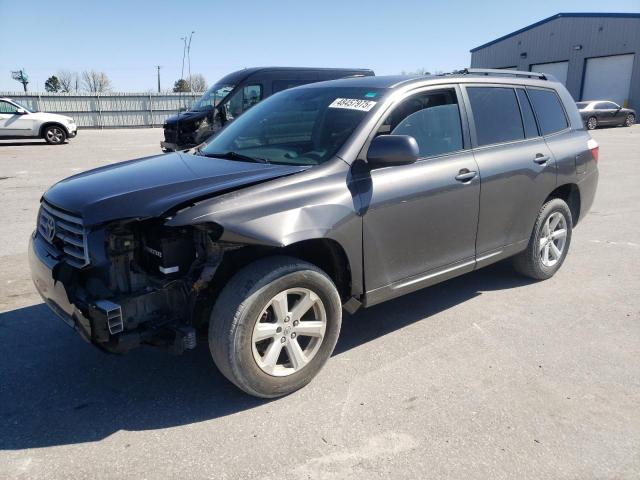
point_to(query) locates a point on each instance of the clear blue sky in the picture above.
(126, 39)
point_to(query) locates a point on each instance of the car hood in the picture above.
(185, 117)
(50, 117)
(149, 187)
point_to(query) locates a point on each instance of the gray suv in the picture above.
(330, 196)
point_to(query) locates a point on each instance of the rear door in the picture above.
(517, 169)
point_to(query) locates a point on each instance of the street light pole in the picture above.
(158, 67)
(189, 60)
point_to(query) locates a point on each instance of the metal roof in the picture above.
(553, 17)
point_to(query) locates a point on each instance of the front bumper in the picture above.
(174, 147)
(44, 271)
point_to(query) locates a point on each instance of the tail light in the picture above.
(594, 148)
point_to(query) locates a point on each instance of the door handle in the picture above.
(466, 175)
(541, 159)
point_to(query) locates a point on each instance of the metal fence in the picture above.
(108, 110)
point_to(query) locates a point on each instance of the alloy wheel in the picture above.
(55, 135)
(592, 123)
(289, 332)
(553, 237)
(631, 119)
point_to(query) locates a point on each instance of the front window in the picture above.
(304, 126)
(22, 106)
(211, 98)
(6, 107)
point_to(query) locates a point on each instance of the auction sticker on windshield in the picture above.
(353, 104)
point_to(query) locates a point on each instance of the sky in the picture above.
(127, 39)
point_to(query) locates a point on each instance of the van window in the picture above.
(549, 111)
(279, 85)
(496, 114)
(529, 120)
(432, 118)
(251, 94)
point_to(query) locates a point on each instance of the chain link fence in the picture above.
(108, 110)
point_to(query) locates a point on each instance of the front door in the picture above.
(422, 217)
(12, 123)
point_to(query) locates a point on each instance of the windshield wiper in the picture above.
(234, 156)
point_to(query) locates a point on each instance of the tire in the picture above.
(251, 298)
(630, 120)
(531, 262)
(592, 123)
(54, 135)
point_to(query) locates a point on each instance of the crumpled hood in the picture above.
(185, 116)
(150, 186)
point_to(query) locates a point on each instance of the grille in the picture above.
(65, 233)
(170, 134)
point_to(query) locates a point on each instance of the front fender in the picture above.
(315, 204)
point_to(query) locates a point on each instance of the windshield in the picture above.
(583, 104)
(212, 97)
(303, 126)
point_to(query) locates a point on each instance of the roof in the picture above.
(553, 17)
(240, 75)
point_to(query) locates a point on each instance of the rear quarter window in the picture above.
(549, 111)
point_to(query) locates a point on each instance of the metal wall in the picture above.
(557, 41)
(108, 110)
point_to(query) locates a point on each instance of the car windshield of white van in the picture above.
(302, 126)
(212, 97)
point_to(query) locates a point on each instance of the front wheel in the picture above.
(274, 326)
(55, 135)
(630, 120)
(592, 123)
(549, 242)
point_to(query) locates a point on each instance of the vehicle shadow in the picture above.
(35, 142)
(57, 390)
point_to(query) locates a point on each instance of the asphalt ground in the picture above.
(485, 376)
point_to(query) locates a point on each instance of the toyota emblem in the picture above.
(48, 227)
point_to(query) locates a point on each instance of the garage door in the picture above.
(557, 69)
(608, 78)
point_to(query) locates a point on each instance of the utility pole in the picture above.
(189, 59)
(184, 52)
(158, 67)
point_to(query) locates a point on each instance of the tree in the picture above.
(197, 83)
(52, 84)
(181, 86)
(68, 80)
(95, 82)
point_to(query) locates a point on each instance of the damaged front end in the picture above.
(142, 282)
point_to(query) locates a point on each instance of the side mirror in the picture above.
(21, 111)
(390, 150)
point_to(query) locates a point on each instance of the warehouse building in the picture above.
(595, 55)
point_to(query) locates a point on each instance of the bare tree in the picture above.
(68, 80)
(95, 82)
(197, 83)
(417, 72)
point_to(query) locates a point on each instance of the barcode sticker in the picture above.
(353, 104)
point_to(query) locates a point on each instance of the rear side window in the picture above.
(529, 120)
(496, 114)
(549, 111)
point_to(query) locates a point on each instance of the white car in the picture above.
(17, 121)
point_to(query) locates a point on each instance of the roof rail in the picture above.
(495, 71)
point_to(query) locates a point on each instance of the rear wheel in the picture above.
(54, 135)
(549, 242)
(592, 123)
(274, 326)
(630, 120)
